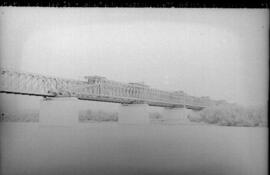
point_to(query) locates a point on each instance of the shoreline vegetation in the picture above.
(32, 116)
(232, 115)
(221, 115)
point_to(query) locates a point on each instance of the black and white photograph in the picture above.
(134, 91)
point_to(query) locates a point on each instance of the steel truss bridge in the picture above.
(95, 88)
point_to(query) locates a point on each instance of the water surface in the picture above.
(113, 148)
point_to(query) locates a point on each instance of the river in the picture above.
(113, 148)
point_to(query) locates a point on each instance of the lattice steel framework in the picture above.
(110, 91)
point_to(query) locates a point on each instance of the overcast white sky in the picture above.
(221, 53)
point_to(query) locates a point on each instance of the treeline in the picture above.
(223, 115)
(31, 116)
(231, 115)
(103, 116)
(99, 116)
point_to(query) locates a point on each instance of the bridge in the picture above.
(133, 97)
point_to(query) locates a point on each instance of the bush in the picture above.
(194, 117)
(155, 115)
(31, 116)
(89, 115)
(232, 115)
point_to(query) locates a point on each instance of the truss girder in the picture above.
(35, 84)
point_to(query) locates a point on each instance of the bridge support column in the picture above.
(59, 111)
(179, 114)
(133, 114)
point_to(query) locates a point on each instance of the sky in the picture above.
(220, 53)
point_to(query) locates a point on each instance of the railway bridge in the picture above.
(60, 96)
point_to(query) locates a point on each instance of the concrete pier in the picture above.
(59, 111)
(133, 114)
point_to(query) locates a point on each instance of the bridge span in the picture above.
(135, 96)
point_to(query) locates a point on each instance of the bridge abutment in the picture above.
(133, 114)
(59, 111)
